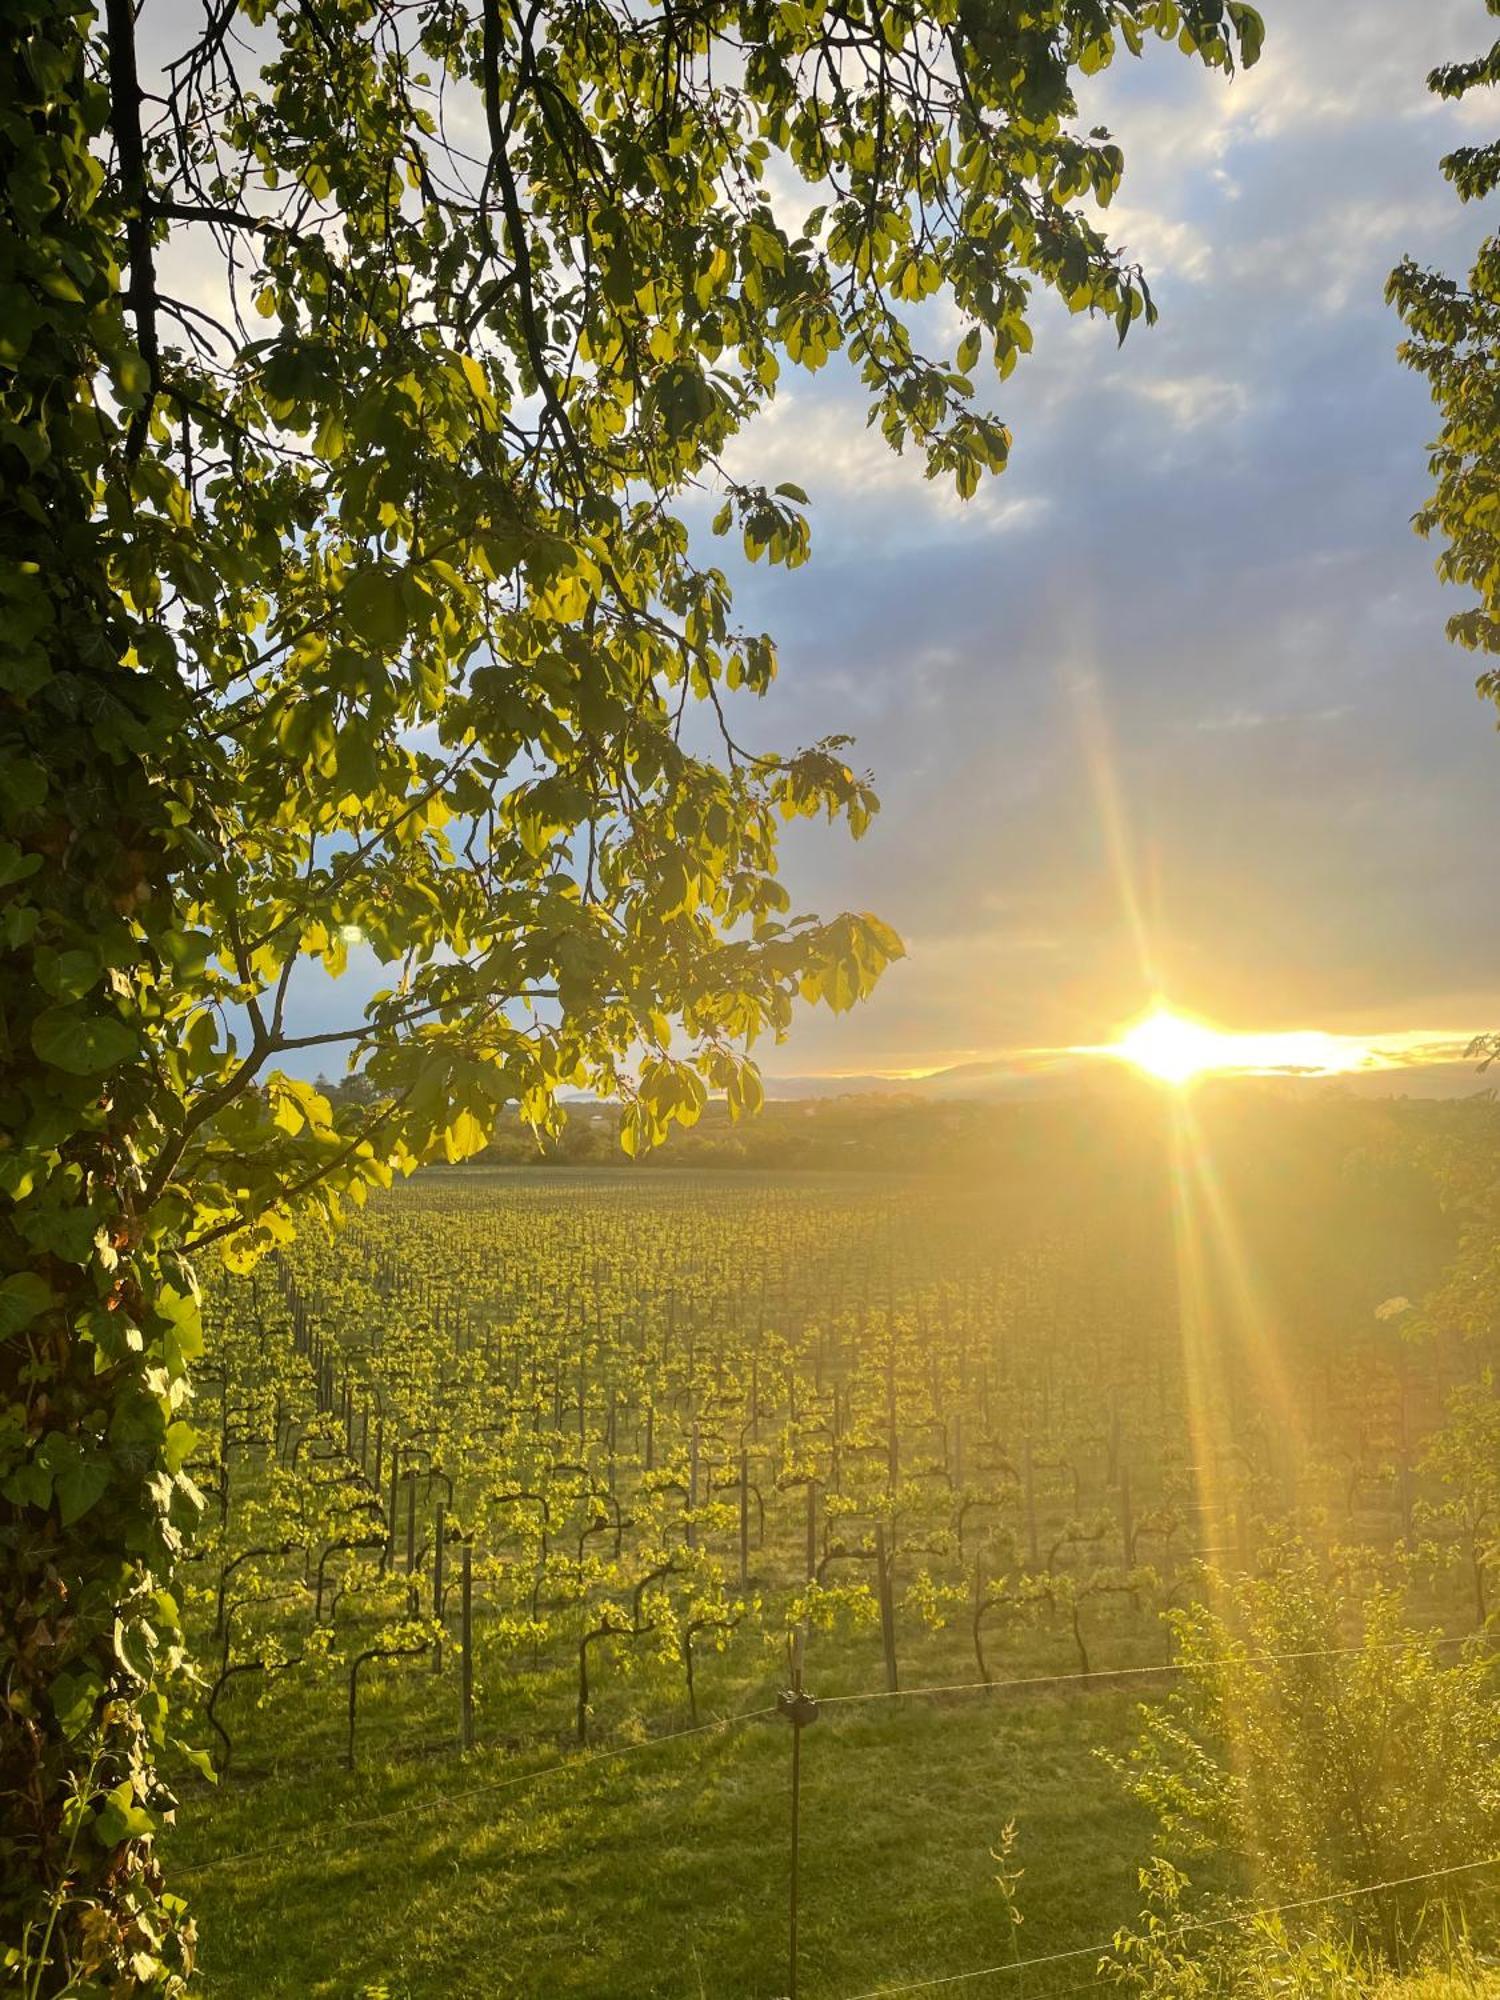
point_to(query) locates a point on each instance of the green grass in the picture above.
(658, 1870)
(664, 1871)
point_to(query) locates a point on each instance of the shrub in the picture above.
(1322, 1759)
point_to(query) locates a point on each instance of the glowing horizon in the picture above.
(1176, 1048)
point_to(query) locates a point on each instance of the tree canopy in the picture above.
(367, 375)
(1453, 339)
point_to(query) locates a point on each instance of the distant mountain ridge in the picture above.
(1082, 1075)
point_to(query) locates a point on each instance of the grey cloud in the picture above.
(1222, 511)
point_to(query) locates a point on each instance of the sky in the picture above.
(1167, 711)
(1186, 654)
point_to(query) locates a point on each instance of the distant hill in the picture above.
(1093, 1124)
(1071, 1076)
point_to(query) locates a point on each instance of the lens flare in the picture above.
(1175, 1049)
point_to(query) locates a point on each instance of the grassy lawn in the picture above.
(664, 1871)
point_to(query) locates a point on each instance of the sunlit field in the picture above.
(749, 1151)
(972, 1438)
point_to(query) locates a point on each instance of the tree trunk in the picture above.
(95, 1329)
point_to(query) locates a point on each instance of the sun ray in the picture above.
(1229, 1331)
(1109, 806)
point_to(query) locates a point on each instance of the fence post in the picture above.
(1030, 1484)
(812, 1529)
(800, 1709)
(887, 1607)
(467, 1677)
(744, 1519)
(439, 1532)
(1127, 1518)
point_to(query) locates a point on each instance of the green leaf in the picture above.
(67, 975)
(464, 1137)
(23, 1298)
(14, 865)
(372, 601)
(181, 1441)
(82, 1044)
(120, 1818)
(200, 1760)
(183, 1322)
(78, 1484)
(75, 1696)
(30, 1485)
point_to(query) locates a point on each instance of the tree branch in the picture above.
(125, 118)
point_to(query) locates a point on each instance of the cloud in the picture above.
(820, 441)
(1162, 243)
(1214, 522)
(1235, 720)
(1191, 401)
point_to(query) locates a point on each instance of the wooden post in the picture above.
(812, 1529)
(466, 1614)
(1127, 1518)
(692, 1522)
(887, 1607)
(744, 1519)
(439, 1531)
(411, 1521)
(796, 1714)
(1029, 1478)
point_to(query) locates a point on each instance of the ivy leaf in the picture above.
(75, 1696)
(23, 1298)
(120, 1818)
(30, 1485)
(182, 1324)
(14, 865)
(78, 1485)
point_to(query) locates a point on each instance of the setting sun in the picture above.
(1176, 1049)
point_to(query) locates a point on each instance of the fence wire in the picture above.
(1181, 1930)
(586, 1759)
(491, 1786)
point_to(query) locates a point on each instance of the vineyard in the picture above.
(526, 1477)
